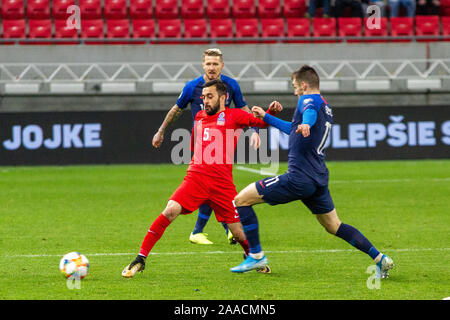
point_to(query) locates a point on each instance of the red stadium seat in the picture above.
(118, 29)
(269, 8)
(298, 27)
(427, 26)
(196, 28)
(371, 30)
(244, 9)
(272, 28)
(169, 29)
(38, 9)
(445, 8)
(294, 8)
(92, 28)
(221, 28)
(141, 9)
(59, 9)
(115, 9)
(38, 29)
(14, 29)
(192, 9)
(247, 28)
(90, 9)
(350, 27)
(445, 21)
(13, 9)
(402, 26)
(62, 31)
(324, 27)
(218, 9)
(166, 9)
(143, 28)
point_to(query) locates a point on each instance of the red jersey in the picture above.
(215, 138)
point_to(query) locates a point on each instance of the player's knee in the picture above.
(239, 200)
(172, 210)
(332, 226)
(331, 229)
(330, 222)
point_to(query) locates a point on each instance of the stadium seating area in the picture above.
(248, 21)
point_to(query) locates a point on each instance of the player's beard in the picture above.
(213, 110)
(211, 76)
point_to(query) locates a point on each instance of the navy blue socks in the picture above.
(251, 228)
(348, 233)
(204, 213)
(356, 239)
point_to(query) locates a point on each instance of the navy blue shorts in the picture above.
(281, 189)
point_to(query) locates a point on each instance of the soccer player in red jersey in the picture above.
(209, 177)
(212, 64)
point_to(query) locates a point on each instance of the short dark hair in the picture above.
(220, 86)
(307, 74)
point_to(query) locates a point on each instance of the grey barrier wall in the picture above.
(60, 138)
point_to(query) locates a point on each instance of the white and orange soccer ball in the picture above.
(74, 264)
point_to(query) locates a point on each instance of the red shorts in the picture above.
(197, 189)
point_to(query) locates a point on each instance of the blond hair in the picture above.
(213, 52)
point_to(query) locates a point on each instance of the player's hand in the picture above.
(255, 141)
(158, 139)
(303, 129)
(258, 112)
(275, 106)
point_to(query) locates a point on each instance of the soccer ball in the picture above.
(74, 264)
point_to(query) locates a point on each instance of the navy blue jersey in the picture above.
(193, 90)
(306, 155)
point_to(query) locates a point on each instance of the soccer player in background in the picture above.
(306, 178)
(209, 177)
(212, 65)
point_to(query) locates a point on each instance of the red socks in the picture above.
(156, 231)
(244, 245)
(154, 234)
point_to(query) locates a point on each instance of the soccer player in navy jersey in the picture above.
(306, 178)
(212, 65)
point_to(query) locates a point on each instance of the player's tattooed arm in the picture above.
(173, 114)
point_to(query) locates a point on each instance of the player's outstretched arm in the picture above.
(268, 117)
(275, 107)
(173, 114)
(255, 140)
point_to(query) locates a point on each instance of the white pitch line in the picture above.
(267, 173)
(258, 171)
(225, 252)
(390, 180)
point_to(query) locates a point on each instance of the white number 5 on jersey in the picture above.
(206, 135)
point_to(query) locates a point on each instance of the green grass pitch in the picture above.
(402, 207)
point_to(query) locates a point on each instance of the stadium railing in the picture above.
(388, 75)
